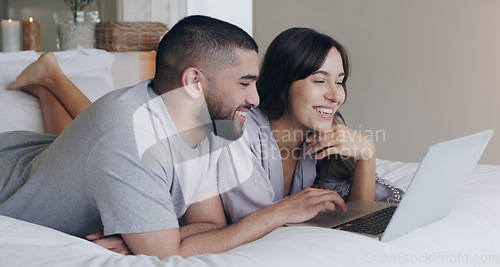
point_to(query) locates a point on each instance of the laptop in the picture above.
(431, 195)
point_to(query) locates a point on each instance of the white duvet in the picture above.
(469, 236)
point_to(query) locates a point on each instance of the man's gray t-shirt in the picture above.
(120, 166)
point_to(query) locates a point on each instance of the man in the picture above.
(140, 158)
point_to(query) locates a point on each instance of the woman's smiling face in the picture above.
(315, 99)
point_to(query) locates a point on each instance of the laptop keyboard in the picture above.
(373, 223)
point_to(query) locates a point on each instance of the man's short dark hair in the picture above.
(201, 42)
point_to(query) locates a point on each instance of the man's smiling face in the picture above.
(231, 93)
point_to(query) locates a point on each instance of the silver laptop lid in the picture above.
(437, 183)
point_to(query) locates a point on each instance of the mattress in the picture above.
(469, 236)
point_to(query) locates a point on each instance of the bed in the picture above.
(468, 236)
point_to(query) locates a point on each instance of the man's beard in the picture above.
(222, 117)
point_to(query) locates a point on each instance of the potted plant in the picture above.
(77, 5)
(75, 28)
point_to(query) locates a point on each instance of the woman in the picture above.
(302, 84)
(310, 88)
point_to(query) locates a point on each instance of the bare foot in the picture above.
(36, 90)
(39, 72)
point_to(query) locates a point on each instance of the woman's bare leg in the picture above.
(55, 117)
(47, 73)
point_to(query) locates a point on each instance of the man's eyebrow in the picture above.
(249, 77)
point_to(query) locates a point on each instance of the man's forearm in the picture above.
(248, 229)
(196, 228)
(298, 207)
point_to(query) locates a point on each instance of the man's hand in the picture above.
(209, 214)
(114, 243)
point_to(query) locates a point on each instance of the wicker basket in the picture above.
(129, 36)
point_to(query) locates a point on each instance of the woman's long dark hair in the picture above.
(340, 166)
(294, 55)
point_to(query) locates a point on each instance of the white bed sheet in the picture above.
(469, 236)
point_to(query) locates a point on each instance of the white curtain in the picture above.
(144, 10)
(238, 12)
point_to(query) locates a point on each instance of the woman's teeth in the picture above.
(326, 111)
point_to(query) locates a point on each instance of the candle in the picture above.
(31, 34)
(11, 35)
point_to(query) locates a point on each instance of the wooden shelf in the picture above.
(130, 68)
(147, 65)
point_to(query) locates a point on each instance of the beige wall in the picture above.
(422, 71)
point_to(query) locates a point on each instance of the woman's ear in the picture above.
(191, 82)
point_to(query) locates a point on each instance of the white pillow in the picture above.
(88, 69)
